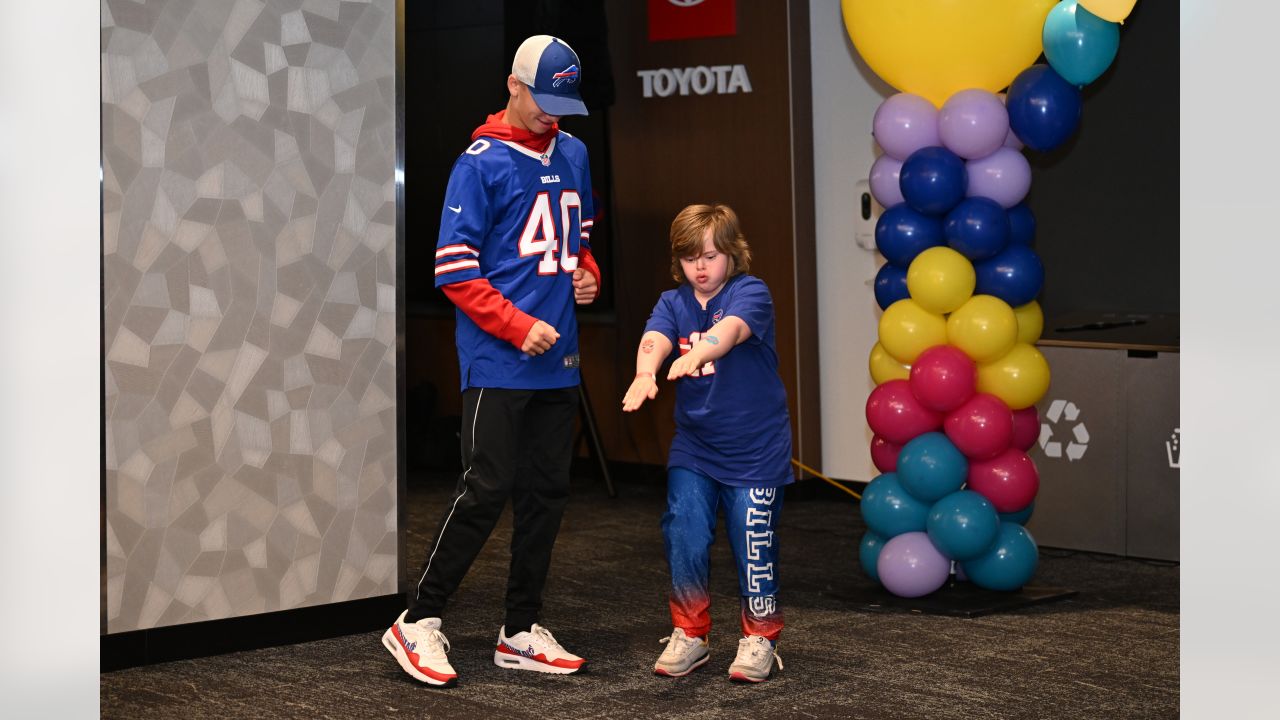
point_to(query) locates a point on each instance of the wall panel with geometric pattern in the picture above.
(249, 290)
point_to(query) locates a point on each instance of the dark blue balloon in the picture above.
(891, 285)
(1021, 517)
(977, 228)
(869, 553)
(963, 525)
(930, 467)
(933, 180)
(1044, 110)
(890, 510)
(903, 233)
(1015, 275)
(1010, 562)
(1022, 225)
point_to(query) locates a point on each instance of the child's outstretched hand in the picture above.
(684, 365)
(644, 387)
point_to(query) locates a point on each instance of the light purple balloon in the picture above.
(904, 123)
(1011, 138)
(910, 566)
(973, 123)
(884, 181)
(1003, 176)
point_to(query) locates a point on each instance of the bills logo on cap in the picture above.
(553, 73)
(568, 76)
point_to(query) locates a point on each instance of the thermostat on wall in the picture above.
(867, 212)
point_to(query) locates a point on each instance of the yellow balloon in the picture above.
(1030, 322)
(906, 330)
(940, 279)
(934, 48)
(1020, 378)
(1110, 10)
(884, 368)
(985, 328)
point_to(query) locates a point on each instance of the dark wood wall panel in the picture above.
(736, 148)
(752, 151)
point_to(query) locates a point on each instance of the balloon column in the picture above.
(956, 369)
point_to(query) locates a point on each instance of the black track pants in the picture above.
(516, 444)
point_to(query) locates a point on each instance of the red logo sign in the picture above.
(685, 19)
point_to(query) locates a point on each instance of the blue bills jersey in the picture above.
(732, 422)
(519, 219)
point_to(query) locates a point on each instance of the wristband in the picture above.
(645, 374)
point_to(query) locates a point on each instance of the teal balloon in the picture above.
(869, 553)
(963, 525)
(930, 467)
(1079, 45)
(889, 510)
(1021, 517)
(1010, 562)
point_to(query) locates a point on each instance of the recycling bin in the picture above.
(1081, 453)
(1108, 451)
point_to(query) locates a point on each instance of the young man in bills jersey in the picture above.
(513, 255)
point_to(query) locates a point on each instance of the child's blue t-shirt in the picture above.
(732, 422)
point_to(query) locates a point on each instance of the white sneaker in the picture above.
(754, 662)
(535, 650)
(421, 649)
(683, 655)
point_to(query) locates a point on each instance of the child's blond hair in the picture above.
(691, 224)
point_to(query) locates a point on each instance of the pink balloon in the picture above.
(895, 414)
(943, 378)
(884, 180)
(904, 123)
(1009, 480)
(982, 428)
(1026, 428)
(1003, 176)
(884, 454)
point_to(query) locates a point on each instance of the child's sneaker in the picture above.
(535, 650)
(421, 649)
(683, 655)
(754, 662)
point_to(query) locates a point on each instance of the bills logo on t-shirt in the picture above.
(686, 344)
(718, 316)
(686, 19)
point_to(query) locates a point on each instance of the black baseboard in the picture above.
(214, 637)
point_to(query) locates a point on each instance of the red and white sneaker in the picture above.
(755, 660)
(535, 650)
(421, 649)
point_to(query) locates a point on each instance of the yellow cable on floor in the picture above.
(820, 476)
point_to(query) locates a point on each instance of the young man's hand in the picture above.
(540, 339)
(584, 286)
(644, 387)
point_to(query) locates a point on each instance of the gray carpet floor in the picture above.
(1111, 651)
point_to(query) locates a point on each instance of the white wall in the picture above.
(50, 395)
(845, 96)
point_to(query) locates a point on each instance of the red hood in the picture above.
(495, 126)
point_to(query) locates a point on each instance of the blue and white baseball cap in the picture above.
(550, 68)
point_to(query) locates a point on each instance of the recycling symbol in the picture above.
(1063, 410)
